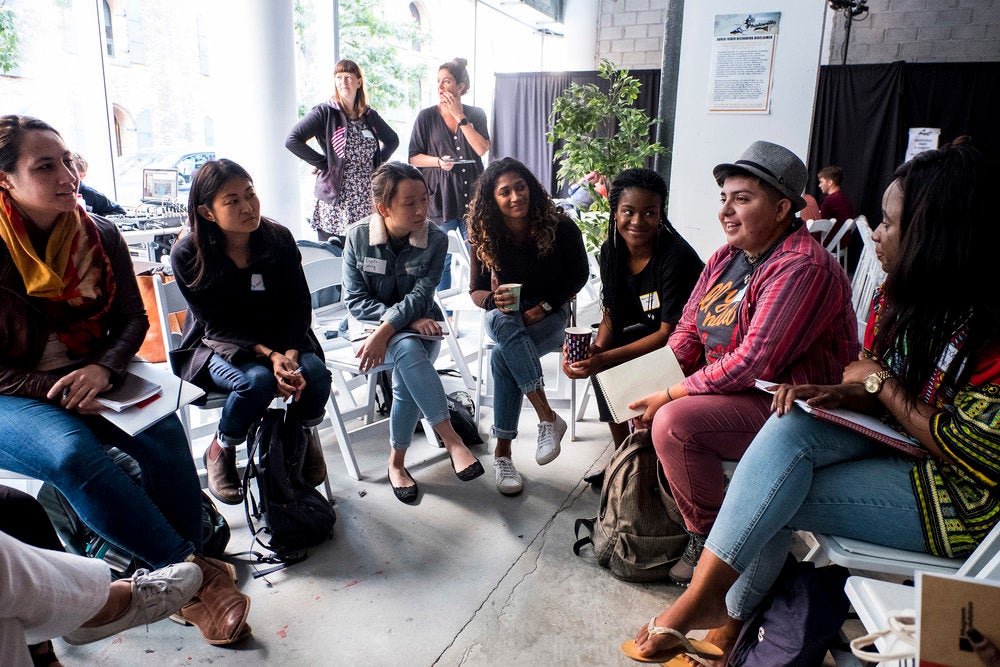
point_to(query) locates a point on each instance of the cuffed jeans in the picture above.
(416, 388)
(160, 522)
(252, 386)
(517, 369)
(693, 435)
(801, 473)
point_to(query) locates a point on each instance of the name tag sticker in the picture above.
(374, 265)
(367, 134)
(650, 301)
(256, 282)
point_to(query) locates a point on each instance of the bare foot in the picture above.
(399, 479)
(461, 457)
(725, 638)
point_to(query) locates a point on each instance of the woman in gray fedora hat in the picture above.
(771, 303)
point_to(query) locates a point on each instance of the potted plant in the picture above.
(600, 131)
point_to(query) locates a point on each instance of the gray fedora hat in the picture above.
(775, 165)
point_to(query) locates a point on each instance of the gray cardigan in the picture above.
(375, 276)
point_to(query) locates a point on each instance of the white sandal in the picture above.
(696, 647)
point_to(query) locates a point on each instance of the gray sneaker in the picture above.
(549, 436)
(155, 595)
(508, 478)
(683, 570)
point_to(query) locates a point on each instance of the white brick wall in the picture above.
(921, 31)
(630, 32)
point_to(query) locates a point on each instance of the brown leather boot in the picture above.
(313, 465)
(223, 479)
(219, 610)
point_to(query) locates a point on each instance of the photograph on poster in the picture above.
(742, 62)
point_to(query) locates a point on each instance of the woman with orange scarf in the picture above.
(73, 319)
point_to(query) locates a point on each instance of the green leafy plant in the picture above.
(600, 131)
(9, 41)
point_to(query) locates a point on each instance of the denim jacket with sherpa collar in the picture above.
(373, 271)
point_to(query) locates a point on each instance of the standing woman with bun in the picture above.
(355, 141)
(447, 143)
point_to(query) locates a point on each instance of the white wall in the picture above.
(703, 140)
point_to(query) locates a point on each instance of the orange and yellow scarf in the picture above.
(74, 278)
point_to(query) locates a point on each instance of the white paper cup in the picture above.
(515, 289)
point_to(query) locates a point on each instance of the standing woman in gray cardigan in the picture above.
(355, 141)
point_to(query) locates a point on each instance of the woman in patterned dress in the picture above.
(355, 141)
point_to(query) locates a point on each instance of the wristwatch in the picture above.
(545, 306)
(464, 121)
(874, 382)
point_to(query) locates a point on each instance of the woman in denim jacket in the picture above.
(392, 264)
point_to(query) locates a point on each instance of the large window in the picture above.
(109, 33)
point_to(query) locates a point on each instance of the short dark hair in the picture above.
(736, 172)
(13, 129)
(386, 180)
(832, 173)
(457, 68)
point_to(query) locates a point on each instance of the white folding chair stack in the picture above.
(867, 275)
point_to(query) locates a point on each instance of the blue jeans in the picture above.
(801, 473)
(160, 522)
(446, 226)
(252, 386)
(416, 388)
(515, 361)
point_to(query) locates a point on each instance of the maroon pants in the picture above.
(693, 436)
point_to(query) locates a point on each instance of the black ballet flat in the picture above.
(404, 494)
(470, 473)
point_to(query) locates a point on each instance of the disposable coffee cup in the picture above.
(515, 289)
(578, 343)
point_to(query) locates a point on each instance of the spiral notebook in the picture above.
(860, 423)
(639, 377)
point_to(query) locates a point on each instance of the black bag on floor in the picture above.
(461, 412)
(798, 621)
(295, 515)
(638, 533)
(79, 539)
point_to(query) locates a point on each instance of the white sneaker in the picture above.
(550, 434)
(155, 595)
(508, 478)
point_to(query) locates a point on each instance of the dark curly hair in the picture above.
(614, 254)
(487, 231)
(943, 275)
(209, 241)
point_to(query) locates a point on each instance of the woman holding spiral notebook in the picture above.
(931, 362)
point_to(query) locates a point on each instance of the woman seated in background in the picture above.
(73, 319)
(354, 140)
(392, 264)
(771, 303)
(931, 362)
(647, 274)
(249, 332)
(519, 236)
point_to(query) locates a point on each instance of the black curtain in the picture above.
(521, 107)
(864, 112)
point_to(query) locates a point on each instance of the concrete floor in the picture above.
(465, 576)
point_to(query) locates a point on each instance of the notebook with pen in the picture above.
(636, 378)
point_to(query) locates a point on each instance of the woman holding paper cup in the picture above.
(528, 262)
(931, 362)
(392, 262)
(73, 319)
(647, 274)
(770, 304)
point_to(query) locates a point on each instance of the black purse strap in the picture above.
(586, 540)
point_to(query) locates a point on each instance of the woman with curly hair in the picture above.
(647, 273)
(518, 236)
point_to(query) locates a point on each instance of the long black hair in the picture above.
(209, 241)
(943, 277)
(614, 253)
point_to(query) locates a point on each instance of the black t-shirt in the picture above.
(716, 318)
(654, 295)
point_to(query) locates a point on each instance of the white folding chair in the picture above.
(835, 244)
(868, 274)
(821, 227)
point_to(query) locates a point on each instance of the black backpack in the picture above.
(295, 515)
(638, 533)
(79, 539)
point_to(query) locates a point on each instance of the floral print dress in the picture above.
(355, 200)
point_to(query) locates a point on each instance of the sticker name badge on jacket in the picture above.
(650, 301)
(256, 282)
(374, 265)
(367, 134)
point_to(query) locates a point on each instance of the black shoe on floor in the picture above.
(405, 494)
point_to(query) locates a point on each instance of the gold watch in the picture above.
(874, 382)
